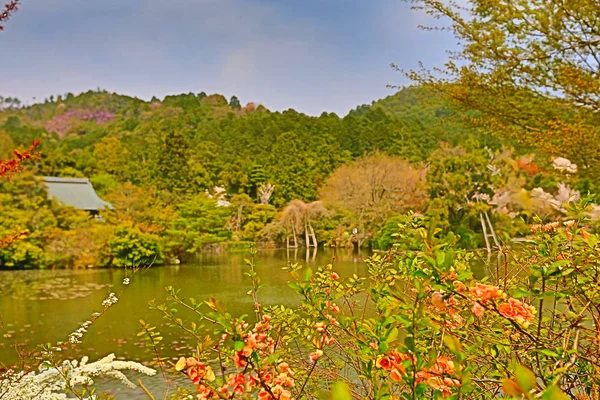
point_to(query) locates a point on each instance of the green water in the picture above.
(46, 306)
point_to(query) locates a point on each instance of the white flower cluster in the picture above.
(49, 383)
(126, 281)
(110, 300)
(563, 164)
(76, 336)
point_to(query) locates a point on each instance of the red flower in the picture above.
(385, 363)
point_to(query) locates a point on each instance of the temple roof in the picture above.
(76, 192)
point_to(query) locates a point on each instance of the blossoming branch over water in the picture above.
(55, 378)
(51, 382)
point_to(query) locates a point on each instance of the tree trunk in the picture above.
(239, 219)
(306, 235)
(295, 238)
(312, 234)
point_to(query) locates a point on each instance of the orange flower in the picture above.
(333, 307)
(484, 293)
(584, 234)
(285, 367)
(443, 365)
(191, 361)
(315, 355)
(550, 227)
(535, 228)
(517, 311)
(264, 395)
(252, 383)
(320, 326)
(335, 276)
(459, 286)
(240, 360)
(396, 375)
(239, 389)
(437, 299)
(478, 310)
(332, 320)
(327, 339)
(193, 374)
(204, 392)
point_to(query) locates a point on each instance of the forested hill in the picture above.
(188, 143)
(168, 166)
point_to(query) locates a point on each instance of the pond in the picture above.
(45, 306)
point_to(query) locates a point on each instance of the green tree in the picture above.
(530, 70)
(172, 167)
(235, 103)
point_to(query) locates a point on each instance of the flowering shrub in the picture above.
(51, 382)
(43, 375)
(420, 326)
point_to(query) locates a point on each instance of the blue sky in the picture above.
(310, 55)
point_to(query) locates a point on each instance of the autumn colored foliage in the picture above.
(8, 168)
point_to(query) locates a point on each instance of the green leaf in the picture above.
(452, 343)
(410, 343)
(525, 378)
(548, 352)
(392, 335)
(554, 393)
(340, 391)
(238, 345)
(308, 274)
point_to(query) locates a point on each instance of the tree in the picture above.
(112, 157)
(235, 103)
(375, 187)
(239, 202)
(314, 210)
(292, 221)
(531, 71)
(172, 163)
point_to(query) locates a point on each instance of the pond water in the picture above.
(45, 306)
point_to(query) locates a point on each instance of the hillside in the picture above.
(190, 143)
(287, 177)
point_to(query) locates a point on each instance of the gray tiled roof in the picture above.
(76, 192)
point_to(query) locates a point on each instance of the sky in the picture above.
(309, 55)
